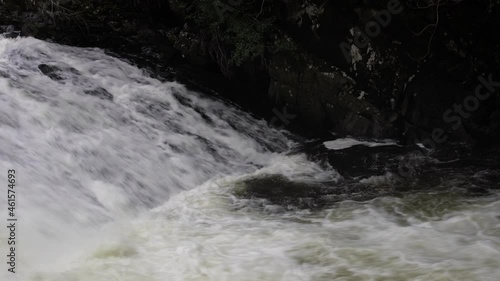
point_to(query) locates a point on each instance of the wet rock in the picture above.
(362, 161)
(279, 190)
(326, 97)
(291, 195)
(50, 71)
(411, 168)
(58, 73)
(11, 35)
(477, 191)
(4, 74)
(100, 93)
(9, 31)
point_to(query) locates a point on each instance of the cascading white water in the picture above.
(83, 161)
(139, 188)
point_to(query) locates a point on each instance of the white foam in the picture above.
(84, 162)
(344, 143)
(197, 235)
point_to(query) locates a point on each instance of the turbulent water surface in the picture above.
(123, 177)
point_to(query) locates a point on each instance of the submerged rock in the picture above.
(50, 71)
(281, 191)
(100, 93)
(372, 170)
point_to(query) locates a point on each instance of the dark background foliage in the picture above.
(285, 54)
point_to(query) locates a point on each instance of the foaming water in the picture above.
(124, 177)
(83, 161)
(206, 234)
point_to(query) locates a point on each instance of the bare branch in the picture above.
(433, 33)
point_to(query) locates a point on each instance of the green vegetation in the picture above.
(230, 34)
(238, 33)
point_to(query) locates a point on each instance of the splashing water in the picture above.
(124, 177)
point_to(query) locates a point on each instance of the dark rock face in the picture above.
(399, 84)
(327, 98)
(281, 191)
(100, 93)
(413, 78)
(57, 73)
